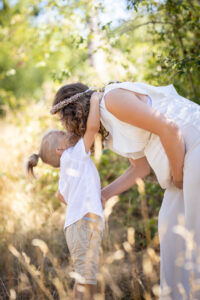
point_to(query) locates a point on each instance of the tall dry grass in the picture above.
(35, 262)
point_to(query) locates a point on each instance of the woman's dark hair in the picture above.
(74, 115)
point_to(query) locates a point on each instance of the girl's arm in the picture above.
(93, 121)
(138, 169)
(128, 108)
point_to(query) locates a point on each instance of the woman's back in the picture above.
(133, 142)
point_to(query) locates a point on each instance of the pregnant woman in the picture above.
(154, 127)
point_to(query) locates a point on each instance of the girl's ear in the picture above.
(59, 151)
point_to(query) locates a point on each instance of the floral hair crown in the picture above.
(55, 108)
(67, 101)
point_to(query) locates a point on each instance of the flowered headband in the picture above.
(67, 101)
(76, 97)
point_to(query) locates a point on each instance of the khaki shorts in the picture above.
(84, 240)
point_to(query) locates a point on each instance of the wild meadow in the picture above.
(35, 262)
(43, 45)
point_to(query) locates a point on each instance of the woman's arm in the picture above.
(128, 108)
(138, 169)
(93, 121)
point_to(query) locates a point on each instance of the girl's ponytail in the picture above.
(32, 162)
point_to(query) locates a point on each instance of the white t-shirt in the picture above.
(79, 184)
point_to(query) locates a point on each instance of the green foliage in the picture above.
(33, 52)
(175, 30)
(46, 43)
(51, 40)
(159, 44)
(127, 213)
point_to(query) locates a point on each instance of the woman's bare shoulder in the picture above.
(128, 108)
(120, 93)
(117, 98)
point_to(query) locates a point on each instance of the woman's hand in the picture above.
(103, 199)
(178, 182)
(177, 173)
(60, 197)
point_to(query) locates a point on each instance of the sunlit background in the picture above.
(43, 45)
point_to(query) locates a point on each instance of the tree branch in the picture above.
(144, 24)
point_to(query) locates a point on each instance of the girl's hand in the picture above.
(96, 96)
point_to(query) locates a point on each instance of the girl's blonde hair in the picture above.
(50, 142)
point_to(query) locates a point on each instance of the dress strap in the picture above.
(149, 101)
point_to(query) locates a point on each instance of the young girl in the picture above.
(153, 126)
(79, 188)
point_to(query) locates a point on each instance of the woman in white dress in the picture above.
(154, 127)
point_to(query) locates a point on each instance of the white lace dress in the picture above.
(180, 271)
